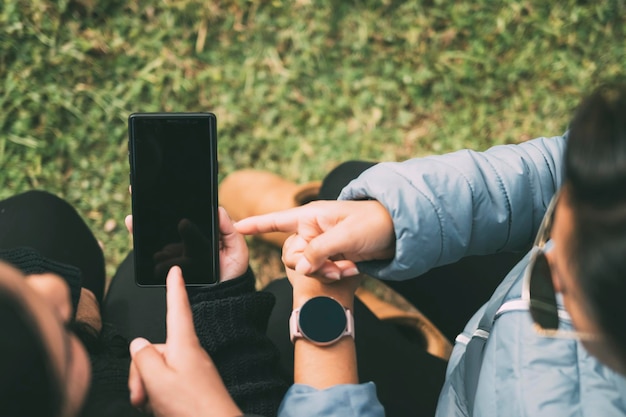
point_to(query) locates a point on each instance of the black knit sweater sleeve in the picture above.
(231, 320)
(108, 393)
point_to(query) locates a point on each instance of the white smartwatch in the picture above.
(322, 321)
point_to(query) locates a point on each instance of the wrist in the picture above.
(325, 366)
(343, 298)
(88, 310)
(322, 330)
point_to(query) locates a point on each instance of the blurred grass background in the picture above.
(297, 86)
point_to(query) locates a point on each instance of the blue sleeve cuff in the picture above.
(340, 400)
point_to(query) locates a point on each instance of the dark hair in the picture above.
(595, 175)
(28, 383)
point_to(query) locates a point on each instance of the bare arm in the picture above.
(322, 366)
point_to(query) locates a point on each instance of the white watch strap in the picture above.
(294, 327)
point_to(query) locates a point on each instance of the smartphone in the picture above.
(173, 177)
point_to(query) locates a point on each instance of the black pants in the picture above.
(50, 225)
(408, 379)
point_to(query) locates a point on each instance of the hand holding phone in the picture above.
(234, 253)
(177, 378)
(173, 161)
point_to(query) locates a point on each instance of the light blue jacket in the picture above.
(471, 203)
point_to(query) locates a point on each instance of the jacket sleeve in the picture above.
(349, 400)
(464, 203)
(231, 320)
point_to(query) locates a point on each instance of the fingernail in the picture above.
(350, 272)
(333, 275)
(138, 344)
(303, 266)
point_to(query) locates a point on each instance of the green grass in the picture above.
(297, 86)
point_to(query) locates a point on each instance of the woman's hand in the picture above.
(178, 378)
(233, 250)
(334, 232)
(322, 366)
(306, 287)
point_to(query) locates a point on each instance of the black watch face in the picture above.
(322, 319)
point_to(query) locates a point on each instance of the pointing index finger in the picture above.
(180, 328)
(280, 221)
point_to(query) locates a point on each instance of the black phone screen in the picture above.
(173, 160)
